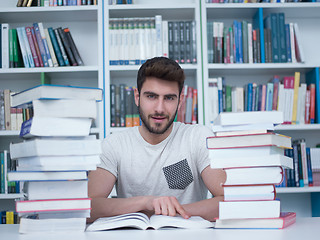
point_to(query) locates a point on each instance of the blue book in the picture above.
(257, 23)
(288, 43)
(282, 37)
(240, 42)
(269, 97)
(310, 178)
(56, 46)
(40, 44)
(249, 97)
(313, 77)
(220, 95)
(236, 41)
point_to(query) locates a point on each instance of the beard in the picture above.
(157, 129)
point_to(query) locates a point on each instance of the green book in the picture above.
(11, 48)
(45, 78)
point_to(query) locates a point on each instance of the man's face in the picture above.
(158, 104)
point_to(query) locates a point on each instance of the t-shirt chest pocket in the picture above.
(178, 175)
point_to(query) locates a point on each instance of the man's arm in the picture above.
(209, 208)
(100, 186)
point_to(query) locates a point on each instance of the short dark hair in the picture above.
(162, 68)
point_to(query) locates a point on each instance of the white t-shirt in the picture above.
(170, 168)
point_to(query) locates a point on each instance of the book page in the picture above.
(194, 222)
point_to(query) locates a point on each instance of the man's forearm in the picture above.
(208, 208)
(107, 207)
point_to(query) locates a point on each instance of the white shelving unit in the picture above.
(85, 24)
(308, 18)
(170, 11)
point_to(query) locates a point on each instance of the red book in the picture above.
(36, 47)
(32, 47)
(312, 89)
(286, 219)
(307, 111)
(194, 106)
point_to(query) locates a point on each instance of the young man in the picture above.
(160, 167)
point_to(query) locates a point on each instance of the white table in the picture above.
(303, 229)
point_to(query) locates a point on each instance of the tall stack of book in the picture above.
(252, 156)
(55, 156)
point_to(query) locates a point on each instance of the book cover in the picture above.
(61, 47)
(41, 45)
(257, 24)
(32, 47)
(51, 50)
(313, 77)
(67, 46)
(56, 47)
(23, 47)
(5, 45)
(73, 47)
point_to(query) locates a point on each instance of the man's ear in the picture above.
(136, 96)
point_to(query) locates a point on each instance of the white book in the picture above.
(55, 127)
(142, 39)
(28, 49)
(53, 161)
(292, 43)
(55, 147)
(53, 205)
(5, 170)
(281, 99)
(159, 35)
(63, 214)
(5, 45)
(298, 44)
(45, 44)
(213, 99)
(244, 152)
(36, 190)
(23, 47)
(253, 175)
(249, 193)
(249, 209)
(142, 221)
(77, 167)
(45, 176)
(240, 99)
(165, 39)
(51, 50)
(250, 47)
(301, 103)
(125, 42)
(121, 41)
(131, 40)
(64, 108)
(237, 129)
(29, 225)
(250, 161)
(137, 40)
(154, 39)
(112, 42)
(55, 92)
(253, 117)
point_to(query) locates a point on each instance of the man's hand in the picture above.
(168, 206)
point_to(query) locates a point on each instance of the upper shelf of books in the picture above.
(14, 14)
(244, 10)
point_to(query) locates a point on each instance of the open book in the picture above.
(142, 221)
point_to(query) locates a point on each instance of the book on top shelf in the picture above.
(240, 118)
(286, 219)
(55, 127)
(253, 175)
(143, 222)
(251, 140)
(249, 209)
(56, 92)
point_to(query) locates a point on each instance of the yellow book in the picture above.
(9, 217)
(295, 97)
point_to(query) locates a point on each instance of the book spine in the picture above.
(63, 52)
(309, 163)
(28, 49)
(176, 41)
(34, 38)
(7, 107)
(32, 47)
(40, 44)
(182, 43)
(56, 47)
(52, 54)
(112, 105)
(193, 40)
(22, 47)
(165, 39)
(129, 105)
(16, 50)
(73, 47)
(122, 105)
(11, 65)
(282, 38)
(67, 47)
(170, 40)
(158, 27)
(194, 118)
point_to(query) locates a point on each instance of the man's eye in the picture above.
(169, 98)
(151, 96)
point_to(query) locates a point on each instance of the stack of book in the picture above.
(55, 156)
(252, 156)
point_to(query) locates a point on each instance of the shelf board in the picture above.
(10, 195)
(298, 189)
(136, 67)
(297, 127)
(150, 6)
(50, 69)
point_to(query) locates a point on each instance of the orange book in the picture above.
(312, 89)
(194, 106)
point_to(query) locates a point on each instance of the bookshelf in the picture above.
(126, 74)
(302, 200)
(85, 24)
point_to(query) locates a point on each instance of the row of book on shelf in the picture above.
(252, 155)
(134, 40)
(243, 42)
(46, 164)
(9, 217)
(36, 46)
(289, 95)
(124, 111)
(116, 2)
(54, 3)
